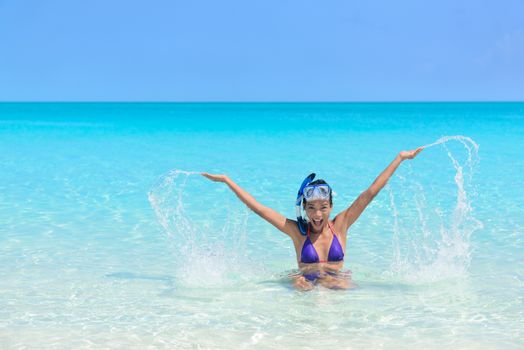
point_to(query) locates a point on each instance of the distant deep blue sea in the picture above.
(109, 238)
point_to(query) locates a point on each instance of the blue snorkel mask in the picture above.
(308, 192)
(317, 192)
(301, 221)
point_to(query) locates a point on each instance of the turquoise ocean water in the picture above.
(109, 240)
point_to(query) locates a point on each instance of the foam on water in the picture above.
(435, 245)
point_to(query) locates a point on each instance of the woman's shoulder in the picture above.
(338, 225)
(294, 230)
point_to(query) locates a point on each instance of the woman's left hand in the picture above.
(410, 154)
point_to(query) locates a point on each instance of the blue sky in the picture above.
(272, 50)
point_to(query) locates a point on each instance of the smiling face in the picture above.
(318, 213)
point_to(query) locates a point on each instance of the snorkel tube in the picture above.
(301, 221)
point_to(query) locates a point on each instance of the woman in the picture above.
(320, 243)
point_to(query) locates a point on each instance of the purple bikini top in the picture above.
(309, 254)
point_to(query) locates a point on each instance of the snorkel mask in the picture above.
(309, 193)
(314, 192)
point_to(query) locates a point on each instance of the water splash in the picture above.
(205, 255)
(433, 244)
(169, 207)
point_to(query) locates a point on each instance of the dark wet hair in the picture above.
(320, 182)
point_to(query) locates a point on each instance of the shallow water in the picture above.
(105, 243)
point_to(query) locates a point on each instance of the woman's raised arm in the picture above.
(351, 214)
(276, 219)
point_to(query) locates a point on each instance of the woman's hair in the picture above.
(320, 182)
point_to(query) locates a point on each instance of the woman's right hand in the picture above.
(410, 154)
(215, 177)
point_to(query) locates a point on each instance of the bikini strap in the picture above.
(308, 231)
(331, 229)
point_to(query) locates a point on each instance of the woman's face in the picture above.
(318, 213)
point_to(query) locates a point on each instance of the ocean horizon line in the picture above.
(262, 102)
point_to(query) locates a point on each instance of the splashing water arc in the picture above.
(442, 250)
(204, 255)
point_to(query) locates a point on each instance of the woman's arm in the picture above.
(351, 214)
(285, 225)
